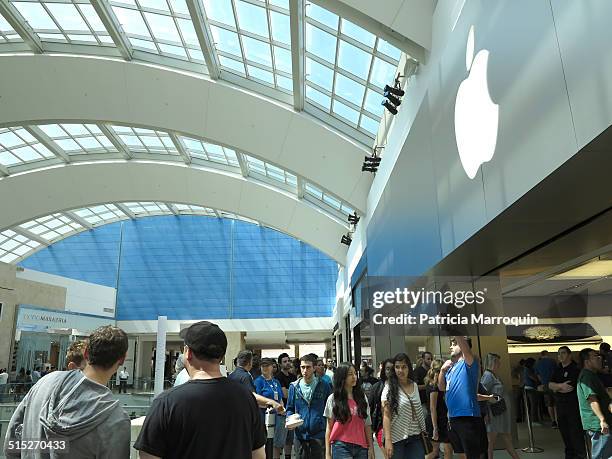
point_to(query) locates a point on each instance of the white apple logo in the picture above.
(476, 116)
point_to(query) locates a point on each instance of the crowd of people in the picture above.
(308, 407)
(21, 381)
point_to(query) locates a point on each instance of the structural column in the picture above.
(386, 346)
(235, 344)
(160, 354)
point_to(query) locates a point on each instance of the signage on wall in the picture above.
(42, 320)
(476, 115)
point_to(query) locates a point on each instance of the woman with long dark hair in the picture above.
(376, 411)
(403, 420)
(348, 433)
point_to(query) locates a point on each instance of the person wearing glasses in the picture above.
(595, 405)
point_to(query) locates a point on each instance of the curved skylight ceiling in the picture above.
(32, 147)
(247, 42)
(23, 240)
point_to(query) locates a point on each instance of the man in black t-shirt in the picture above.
(563, 383)
(285, 377)
(208, 417)
(419, 376)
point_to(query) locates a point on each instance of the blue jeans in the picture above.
(601, 445)
(342, 450)
(309, 449)
(280, 431)
(410, 448)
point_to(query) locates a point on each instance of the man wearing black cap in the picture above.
(208, 416)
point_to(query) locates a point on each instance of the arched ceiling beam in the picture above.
(73, 186)
(76, 89)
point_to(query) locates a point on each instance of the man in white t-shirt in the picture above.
(3, 380)
(123, 380)
(330, 368)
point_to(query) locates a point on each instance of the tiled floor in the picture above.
(544, 437)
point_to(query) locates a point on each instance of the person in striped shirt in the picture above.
(403, 419)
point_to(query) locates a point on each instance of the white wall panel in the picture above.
(83, 297)
(585, 37)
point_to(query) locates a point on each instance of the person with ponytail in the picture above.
(348, 433)
(403, 419)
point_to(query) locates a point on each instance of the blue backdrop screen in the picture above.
(192, 267)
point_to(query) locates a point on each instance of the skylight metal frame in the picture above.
(165, 147)
(12, 246)
(118, 43)
(20, 26)
(94, 215)
(243, 34)
(318, 196)
(339, 72)
(89, 133)
(116, 32)
(97, 37)
(201, 152)
(20, 150)
(271, 174)
(158, 45)
(196, 10)
(215, 156)
(52, 227)
(45, 140)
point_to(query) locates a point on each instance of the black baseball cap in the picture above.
(205, 339)
(267, 361)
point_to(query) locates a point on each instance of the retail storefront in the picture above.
(43, 336)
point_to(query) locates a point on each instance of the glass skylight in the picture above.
(264, 169)
(65, 21)
(18, 146)
(52, 226)
(199, 149)
(159, 26)
(79, 138)
(100, 214)
(147, 208)
(194, 210)
(7, 33)
(139, 140)
(322, 197)
(13, 246)
(253, 39)
(347, 68)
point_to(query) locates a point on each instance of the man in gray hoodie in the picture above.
(73, 411)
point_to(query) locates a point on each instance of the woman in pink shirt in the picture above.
(348, 433)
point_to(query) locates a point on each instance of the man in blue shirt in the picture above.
(242, 376)
(544, 368)
(307, 397)
(459, 379)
